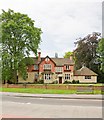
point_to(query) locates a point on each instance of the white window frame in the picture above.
(67, 67)
(47, 66)
(87, 77)
(58, 69)
(47, 76)
(67, 76)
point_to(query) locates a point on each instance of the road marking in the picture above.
(28, 103)
(41, 98)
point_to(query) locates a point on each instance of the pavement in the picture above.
(56, 96)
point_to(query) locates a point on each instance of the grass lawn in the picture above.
(45, 91)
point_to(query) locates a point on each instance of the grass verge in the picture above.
(45, 91)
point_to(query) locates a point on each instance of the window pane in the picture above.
(47, 66)
(58, 69)
(87, 77)
(67, 76)
(67, 67)
(35, 67)
(47, 76)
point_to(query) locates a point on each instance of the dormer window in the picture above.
(67, 67)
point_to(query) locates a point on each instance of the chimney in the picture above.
(39, 56)
(56, 55)
(71, 57)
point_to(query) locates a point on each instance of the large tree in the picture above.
(19, 37)
(85, 52)
(101, 53)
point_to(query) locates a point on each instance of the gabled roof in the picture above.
(45, 58)
(84, 71)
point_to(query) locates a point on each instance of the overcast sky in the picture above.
(61, 21)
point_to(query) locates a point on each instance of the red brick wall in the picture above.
(62, 87)
(41, 66)
(30, 68)
(72, 68)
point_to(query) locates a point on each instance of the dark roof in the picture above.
(57, 61)
(62, 61)
(84, 71)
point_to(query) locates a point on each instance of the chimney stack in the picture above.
(71, 57)
(39, 56)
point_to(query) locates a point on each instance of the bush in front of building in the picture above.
(67, 82)
(75, 81)
(39, 82)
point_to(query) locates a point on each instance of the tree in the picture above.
(19, 37)
(86, 53)
(67, 54)
(101, 53)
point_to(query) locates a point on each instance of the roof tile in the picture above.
(84, 71)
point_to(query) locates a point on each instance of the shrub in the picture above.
(75, 81)
(66, 82)
(39, 82)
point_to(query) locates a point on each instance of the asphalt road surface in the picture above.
(27, 107)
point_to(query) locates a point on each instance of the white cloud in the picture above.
(62, 21)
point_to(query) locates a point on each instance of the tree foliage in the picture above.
(101, 53)
(86, 53)
(67, 54)
(19, 37)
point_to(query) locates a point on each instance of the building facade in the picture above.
(57, 70)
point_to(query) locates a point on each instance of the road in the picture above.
(27, 107)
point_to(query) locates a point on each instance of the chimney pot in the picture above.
(71, 57)
(39, 56)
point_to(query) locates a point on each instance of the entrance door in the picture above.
(60, 80)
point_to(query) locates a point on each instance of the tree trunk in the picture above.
(15, 76)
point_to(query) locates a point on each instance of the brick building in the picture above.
(57, 69)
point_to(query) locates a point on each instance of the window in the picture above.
(47, 59)
(36, 75)
(47, 76)
(35, 67)
(67, 76)
(47, 66)
(58, 69)
(67, 67)
(87, 77)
